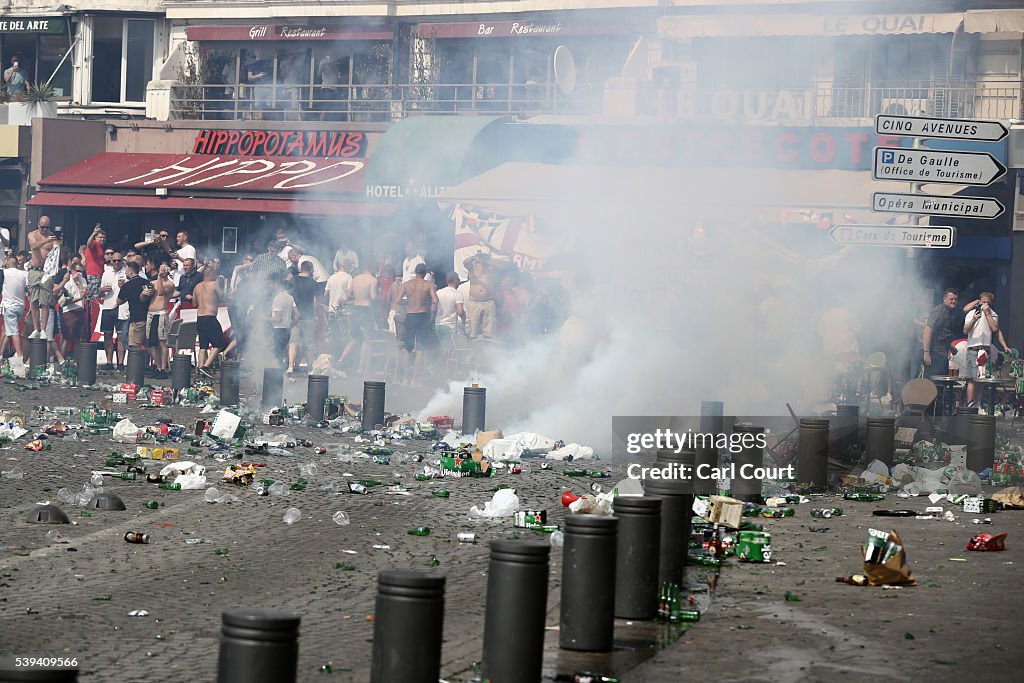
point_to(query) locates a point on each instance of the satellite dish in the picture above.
(565, 70)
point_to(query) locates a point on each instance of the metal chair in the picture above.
(874, 367)
(184, 339)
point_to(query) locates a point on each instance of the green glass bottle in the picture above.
(168, 486)
(673, 605)
(441, 494)
(703, 560)
(422, 477)
(127, 476)
(864, 497)
(153, 505)
(371, 482)
(689, 615)
(751, 526)
(752, 512)
(575, 473)
(420, 531)
(115, 462)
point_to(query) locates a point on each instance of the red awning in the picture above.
(126, 201)
(291, 33)
(287, 176)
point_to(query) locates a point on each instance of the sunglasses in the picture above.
(116, 260)
(109, 253)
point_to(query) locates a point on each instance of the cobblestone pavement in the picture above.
(75, 598)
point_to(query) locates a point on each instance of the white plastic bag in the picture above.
(505, 503)
(125, 431)
(572, 451)
(224, 425)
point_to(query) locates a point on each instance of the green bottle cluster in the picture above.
(670, 605)
(864, 497)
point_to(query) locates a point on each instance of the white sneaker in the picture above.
(34, 335)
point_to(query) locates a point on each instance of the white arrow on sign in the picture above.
(951, 129)
(927, 237)
(971, 207)
(935, 166)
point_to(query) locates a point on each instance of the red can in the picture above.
(515, 469)
(320, 450)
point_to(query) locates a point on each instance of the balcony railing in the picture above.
(835, 104)
(370, 103)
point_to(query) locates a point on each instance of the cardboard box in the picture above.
(158, 452)
(973, 505)
(726, 511)
(156, 397)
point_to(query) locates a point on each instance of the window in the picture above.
(122, 62)
(51, 51)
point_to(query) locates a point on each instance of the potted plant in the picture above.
(36, 102)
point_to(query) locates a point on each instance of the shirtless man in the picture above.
(40, 288)
(156, 320)
(364, 294)
(419, 318)
(207, 296)
(483, 286)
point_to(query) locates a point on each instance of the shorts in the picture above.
(362, 321)
(210, 331)
(136, 334)
(108, 321)
(13, 313)
(304, 332)
(416, 328)
(94, 282)
(40, 289)
(156, 327)
(971, 368)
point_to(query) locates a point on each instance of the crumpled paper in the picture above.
(190, 475)
(125, 431)
(505, 503)
(1011, 497)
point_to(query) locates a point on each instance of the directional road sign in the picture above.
(952, 129)
(934, 166)
(928, 237)
(970, 207)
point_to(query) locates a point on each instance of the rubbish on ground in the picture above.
(136, 537)
(754, 546)
(341, 518)
(292, 515)
(1010, 498)
(14, 473)
(504, 503)
(601, 504)
(568, 498)
(572, 451)
(466, 537)
(987, 520)
(894, 513)
(987, 542)
(885, 560)
(138, 613)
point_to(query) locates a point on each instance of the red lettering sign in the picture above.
(293, 143)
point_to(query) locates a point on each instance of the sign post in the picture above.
(934, 166)
(968, 207)
(949, 129)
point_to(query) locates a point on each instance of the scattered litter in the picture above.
(138, 613)
(504, 503)
(987, 542)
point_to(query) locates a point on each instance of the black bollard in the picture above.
(273, 387)
(258, 646)
(712, 422)
(636, 563)
(373, 405)
(813, 452)
(517, 594)
(588, 583)
(38, 353)
(981, 442)
(230, 383)
(181, 372)
(407, 627)
(85, 354)
(135, 367)
(317, 389)
(676, 512)
(880, 440)
(750, 457)
(844, 431)
(9, 673)
(474, 409)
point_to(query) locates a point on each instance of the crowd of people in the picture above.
(282, 305)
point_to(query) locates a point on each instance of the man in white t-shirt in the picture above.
(12, 304)
(339, 289)
(980, 325)
(296, 258)
(450, 310)
(184, 251)
(412, 259)
(110, 318)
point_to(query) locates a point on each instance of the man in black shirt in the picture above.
(187, 283)
(136, 292)
(945, 323)
(306, 291)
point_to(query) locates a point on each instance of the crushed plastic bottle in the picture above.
(277, 489)
(308, 469)
(557, 539)
(292, 515)
(96, 480)
(16, 473)
(341, 518)
(65, 496)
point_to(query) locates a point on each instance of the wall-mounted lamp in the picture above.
(112, 131)
(161, 192)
